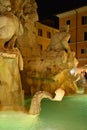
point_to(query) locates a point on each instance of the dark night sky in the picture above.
(48, 8)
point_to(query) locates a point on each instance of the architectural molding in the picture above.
(71, 12)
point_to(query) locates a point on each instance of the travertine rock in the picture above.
(54, 61)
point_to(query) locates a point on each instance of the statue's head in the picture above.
(30, 10)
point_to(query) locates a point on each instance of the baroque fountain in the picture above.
(47, 73)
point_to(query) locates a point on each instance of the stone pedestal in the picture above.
(11, 94)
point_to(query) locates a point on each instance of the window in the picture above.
(39, 32)
(84, 20)
(48, 34)
(83, 51)
(68, 22)
(85, 36)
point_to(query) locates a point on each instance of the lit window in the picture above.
(85, 36)
(39, 32)
(84, 20)
(48, 34)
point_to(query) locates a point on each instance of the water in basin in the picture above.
(70, 114)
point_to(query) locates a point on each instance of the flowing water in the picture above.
(70, 114)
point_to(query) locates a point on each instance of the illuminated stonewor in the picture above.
(41, 67)
(58, 61)
(45, 71)
(49, 71)
(52, 69)
(11, 95)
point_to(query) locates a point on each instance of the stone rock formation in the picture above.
(57, 60)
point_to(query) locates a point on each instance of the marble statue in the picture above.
(10, 25)
(11, 61)
(60, 39)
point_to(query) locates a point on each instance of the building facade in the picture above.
(44, 34)
(77, 20)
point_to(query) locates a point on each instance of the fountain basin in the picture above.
(70, 114)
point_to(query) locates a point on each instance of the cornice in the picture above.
(71, 12)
